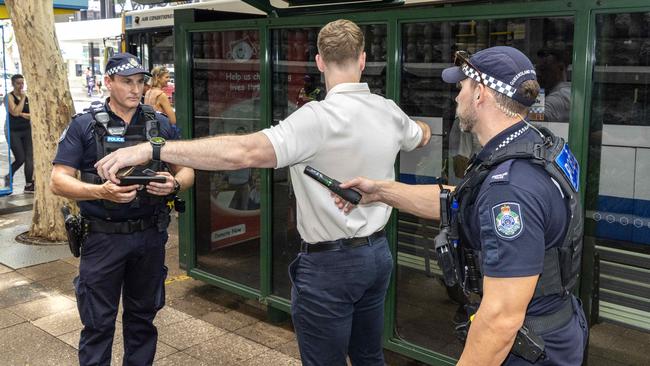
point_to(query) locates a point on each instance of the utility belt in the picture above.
(95, 225)
(328, 246)
(78, 227)
(528, 343)
(544, 323)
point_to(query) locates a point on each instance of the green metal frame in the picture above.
(311, 7)
(584, 13)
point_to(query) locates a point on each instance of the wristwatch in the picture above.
(177, 187)
(156, 144)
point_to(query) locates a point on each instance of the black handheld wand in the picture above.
(333, 185)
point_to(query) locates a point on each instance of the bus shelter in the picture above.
(593, 62)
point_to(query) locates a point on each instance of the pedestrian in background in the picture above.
(158, 99)
(90, 81)
(156, 96)
(20, 132)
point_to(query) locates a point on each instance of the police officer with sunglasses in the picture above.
(511, 231)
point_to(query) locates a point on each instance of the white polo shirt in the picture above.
(351, 133)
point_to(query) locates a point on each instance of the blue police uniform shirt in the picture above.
(77, 149)
(519, 212)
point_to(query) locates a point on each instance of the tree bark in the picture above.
(50, 105)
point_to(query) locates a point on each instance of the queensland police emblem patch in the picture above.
(507, 219)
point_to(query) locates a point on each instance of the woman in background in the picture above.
(20, 129)
(158, 99)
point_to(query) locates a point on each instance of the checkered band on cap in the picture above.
(489, 81)
(132, 64)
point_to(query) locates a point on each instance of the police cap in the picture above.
(124, 64)
(501, 68)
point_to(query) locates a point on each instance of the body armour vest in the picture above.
(112, 135)
(561, 264)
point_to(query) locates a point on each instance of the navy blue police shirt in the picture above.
(77, 149)
(519, 212)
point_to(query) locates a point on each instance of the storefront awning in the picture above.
(60, 7)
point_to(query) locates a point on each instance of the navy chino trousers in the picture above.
(337, 304)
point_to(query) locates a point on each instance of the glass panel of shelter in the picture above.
(617, 200)
(226, 85)
(162, 54)
(426, 309)
(297, 81)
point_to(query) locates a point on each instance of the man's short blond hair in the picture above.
(340, 42)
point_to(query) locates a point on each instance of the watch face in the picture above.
(157, 140)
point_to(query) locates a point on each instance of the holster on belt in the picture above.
(528, 344)
(75, 230)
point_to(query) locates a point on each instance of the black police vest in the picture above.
(561, 264)
(112, 135)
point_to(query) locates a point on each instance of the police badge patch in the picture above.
(508, 222)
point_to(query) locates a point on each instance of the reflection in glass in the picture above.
(297, 81)
(162, 54)
(225, 79)
(618, 188)
(426, 309)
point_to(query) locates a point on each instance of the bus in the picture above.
(149, 33)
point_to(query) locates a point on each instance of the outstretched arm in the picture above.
(426, 133)
(420, 200)
(227, 152)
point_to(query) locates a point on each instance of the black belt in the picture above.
(544, 323)
(328, 246)
(96, 225)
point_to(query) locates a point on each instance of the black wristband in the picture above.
(155, 153)
(156, 144)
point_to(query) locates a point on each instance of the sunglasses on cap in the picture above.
(462, 58)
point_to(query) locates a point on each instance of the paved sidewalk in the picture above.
(200, 324)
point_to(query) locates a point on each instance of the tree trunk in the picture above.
(50, 105)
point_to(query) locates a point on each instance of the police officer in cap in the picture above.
(516, 219)
(125, 227)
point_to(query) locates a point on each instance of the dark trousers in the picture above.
(21, 148)
(564, 346)
(130, 264)
(337, 304)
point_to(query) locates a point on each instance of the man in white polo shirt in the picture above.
(341, 276)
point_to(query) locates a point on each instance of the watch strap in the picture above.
(155, 155)
(177, 186)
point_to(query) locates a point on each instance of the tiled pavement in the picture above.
(200, 324)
